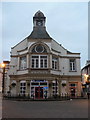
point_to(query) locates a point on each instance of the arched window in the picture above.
(39, 49)
(39, 57)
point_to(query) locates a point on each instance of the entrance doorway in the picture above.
(38, 92)
(72, 92)
(39, 89)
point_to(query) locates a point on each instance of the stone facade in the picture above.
(40, 67)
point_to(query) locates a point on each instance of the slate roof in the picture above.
(39, 33)
(39, 14)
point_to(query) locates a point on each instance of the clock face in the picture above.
(39, 23)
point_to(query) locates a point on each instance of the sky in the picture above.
(66, 22)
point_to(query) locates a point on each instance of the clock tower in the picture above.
(39, 19)
(39, 28)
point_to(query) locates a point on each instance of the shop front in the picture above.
(39, 89)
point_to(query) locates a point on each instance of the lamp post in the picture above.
(3, 80)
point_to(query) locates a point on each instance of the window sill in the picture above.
(39, 68)
(72, 71)
(22, 69)
(55, 70)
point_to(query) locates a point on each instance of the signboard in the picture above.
(45, 88)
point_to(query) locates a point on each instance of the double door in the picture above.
(39, 92)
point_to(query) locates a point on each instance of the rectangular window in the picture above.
(32, 63)
(73, 85)
(35, 61)
(22, 88)
(39, 61)
(45, 62)
(55, 63)
(55, 87)
(42, 63)
(72, 65)
(23, 62)
(43, 83)
(34, 83)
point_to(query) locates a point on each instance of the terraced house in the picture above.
(40, 67)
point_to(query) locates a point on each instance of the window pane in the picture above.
(32, 63)
(73, 84)
(23, 62)
(52, 64)
(72, 65)
(24, 84)
(43, 83)
(35, 83)
(41, 63)
(37, 63)
(43, 56)
(55, 64)
(45, 63)
(35, 56)
(22, 87)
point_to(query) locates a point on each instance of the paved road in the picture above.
(45, 109)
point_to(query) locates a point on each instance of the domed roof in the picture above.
(39, 14)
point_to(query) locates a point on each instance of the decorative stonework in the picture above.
(39, 72)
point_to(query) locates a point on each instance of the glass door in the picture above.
(38, 92)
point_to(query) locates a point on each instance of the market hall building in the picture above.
(42, 68)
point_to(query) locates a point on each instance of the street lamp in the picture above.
(3, 65)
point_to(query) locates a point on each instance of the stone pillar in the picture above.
(17, 88)
(50, 61)
(27, 87)
(18, 63)
(50, 88)
(59, 86)
(27, 60)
